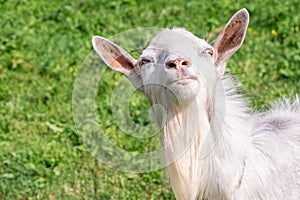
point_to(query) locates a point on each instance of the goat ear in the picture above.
(114, 56)
(230, 39)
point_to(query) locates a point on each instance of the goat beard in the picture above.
(184, 133)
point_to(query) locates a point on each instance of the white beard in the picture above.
(184, 136)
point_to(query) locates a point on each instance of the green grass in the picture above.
(42, 46)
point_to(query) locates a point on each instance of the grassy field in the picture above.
(42, 46)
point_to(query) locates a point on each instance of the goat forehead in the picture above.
(176, 41)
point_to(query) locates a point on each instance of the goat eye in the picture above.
(209, 51)
(143, 62)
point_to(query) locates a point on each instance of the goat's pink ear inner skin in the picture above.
(231, 38)
(114, 56)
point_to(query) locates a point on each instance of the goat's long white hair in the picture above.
(254, 152)
(216, 147)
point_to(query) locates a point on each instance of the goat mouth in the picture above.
(184, 81)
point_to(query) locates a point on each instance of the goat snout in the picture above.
(179, 63)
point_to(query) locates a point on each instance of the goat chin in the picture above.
(184, 91)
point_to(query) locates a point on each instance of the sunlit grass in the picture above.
(42, 46)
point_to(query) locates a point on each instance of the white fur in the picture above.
(214, 145)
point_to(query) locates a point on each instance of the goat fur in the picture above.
(216, 147)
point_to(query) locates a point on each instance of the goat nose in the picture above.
(178, 63)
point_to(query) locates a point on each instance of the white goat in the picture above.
(217, 148)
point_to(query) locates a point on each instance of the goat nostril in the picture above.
(185, 63)
(178, 63)
(171, 65)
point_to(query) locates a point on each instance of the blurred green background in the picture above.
(42, 46)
